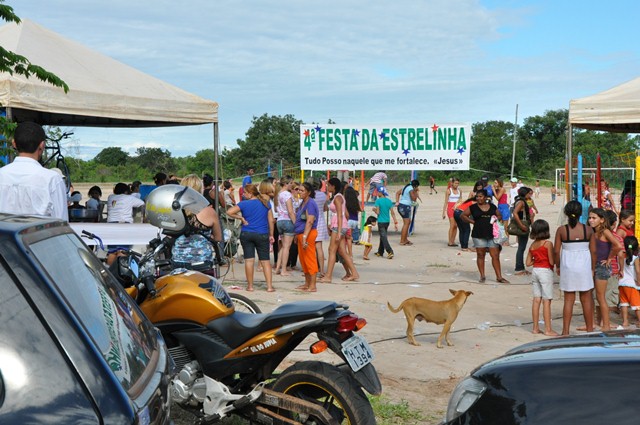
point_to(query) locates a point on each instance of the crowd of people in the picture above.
(595, 254)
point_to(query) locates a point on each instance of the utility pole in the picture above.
(515, 139)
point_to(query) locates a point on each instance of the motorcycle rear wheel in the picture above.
(244, 304)
(329, 387)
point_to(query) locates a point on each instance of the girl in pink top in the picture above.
(338, 227)
(286, 216)
(540, 256)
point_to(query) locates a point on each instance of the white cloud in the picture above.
(351, 61)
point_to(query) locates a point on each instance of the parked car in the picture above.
(580, 379)
(74, 347)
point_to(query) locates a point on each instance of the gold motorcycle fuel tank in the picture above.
(179, 297)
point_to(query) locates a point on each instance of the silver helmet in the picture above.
(167, 207)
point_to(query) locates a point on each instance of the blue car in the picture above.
(74, 347)
(588, 379)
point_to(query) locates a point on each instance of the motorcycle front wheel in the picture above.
(244, 304)
(329, 387)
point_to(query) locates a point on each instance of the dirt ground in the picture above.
(496, 318)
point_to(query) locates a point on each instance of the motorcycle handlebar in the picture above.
(94, 237)
(149, 283)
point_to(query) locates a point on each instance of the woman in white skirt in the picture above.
(573, 265)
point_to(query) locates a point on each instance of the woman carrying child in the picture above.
(540, 256)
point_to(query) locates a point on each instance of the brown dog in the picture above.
(437, 312)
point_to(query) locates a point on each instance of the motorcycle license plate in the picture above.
(357, 352)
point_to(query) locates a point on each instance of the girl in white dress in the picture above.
(573, 265)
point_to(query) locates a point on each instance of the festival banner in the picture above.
(388, 147)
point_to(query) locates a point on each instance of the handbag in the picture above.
(515, 230)
(513, 227)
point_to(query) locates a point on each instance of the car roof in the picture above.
(594, 347)
(15, 223)
(610, 338)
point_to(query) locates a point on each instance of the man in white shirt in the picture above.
(120, 205)
(26, 187)
(513, 191)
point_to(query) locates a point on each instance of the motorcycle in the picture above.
(164, 266)
(226, 359)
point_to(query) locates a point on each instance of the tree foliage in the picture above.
(112, 157)
(269, 139)
(14, 63)
(156, 159)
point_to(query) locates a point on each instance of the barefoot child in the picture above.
(604, 247)
(365, 236)
(629, 295)
(540, 256)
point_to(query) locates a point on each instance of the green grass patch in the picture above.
(388, 412)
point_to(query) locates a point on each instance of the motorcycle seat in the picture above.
(238, 327)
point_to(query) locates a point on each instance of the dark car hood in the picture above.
(584, 340)
(591, 347)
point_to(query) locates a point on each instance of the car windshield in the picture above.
(109, 315)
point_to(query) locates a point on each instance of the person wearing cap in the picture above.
(26, 187)
(486, 186)
(75, 199)
(383, 207)
(513, 191)
(376, 182)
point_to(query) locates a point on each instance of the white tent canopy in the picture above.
(614, 110)
(102, 91)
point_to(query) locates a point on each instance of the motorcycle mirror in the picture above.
(133, 266)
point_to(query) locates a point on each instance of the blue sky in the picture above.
(406, 61)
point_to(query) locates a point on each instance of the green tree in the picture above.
(270, 138)
(112, 156)
(492, 147)
(155, 160)
(590, 143)
(544, 141)
(14, 63)
(201, 162)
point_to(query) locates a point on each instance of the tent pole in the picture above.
(215, 181)
(569, 177)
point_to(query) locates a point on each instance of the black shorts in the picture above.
(255, 242)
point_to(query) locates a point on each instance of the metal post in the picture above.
(215, 181)
(515, 139)
(569, 164)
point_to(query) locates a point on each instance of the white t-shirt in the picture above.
(283, 212)
(513, 192)
(26, 187)
(120, 208)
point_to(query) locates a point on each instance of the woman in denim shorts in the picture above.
(404, 198)
(286, 215)
(479, 214)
